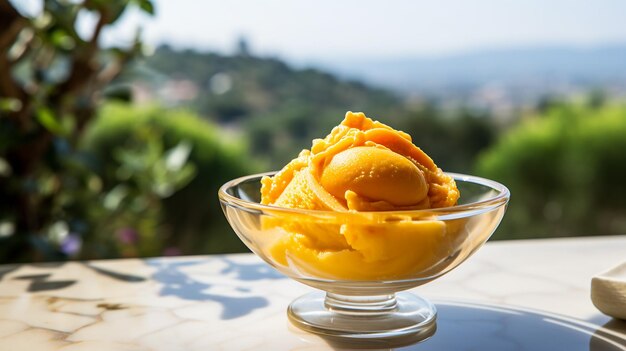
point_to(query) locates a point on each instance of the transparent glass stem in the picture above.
(361, 305)
(359, 317)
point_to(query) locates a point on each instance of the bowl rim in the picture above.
(450, 212)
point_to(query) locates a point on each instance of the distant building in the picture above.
(243, 48)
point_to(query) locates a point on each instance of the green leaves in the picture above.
(178, 161)
(113, 199)
(10, 105)
(55, 124)
(112, 10)
(565, 169)
(62, 40)
(146, 5)
(52, 81)
(62, 15)
(176, 157)
(48, 120)
(154, 169)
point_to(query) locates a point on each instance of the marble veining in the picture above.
(236, 302)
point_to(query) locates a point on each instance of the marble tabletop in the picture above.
(496, 300)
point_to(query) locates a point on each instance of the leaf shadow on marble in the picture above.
(129, 278)
(41, 282)
(250, 272)
(178, 283)
(6, 269)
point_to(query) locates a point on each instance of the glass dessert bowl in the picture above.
(362, 260)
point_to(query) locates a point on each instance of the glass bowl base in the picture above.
(385, 317)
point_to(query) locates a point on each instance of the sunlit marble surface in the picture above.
(236, 302)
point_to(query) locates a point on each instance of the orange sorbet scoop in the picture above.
(362, 171)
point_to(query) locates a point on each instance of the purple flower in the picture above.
(127, 235)
(171, 251)
(71, 244)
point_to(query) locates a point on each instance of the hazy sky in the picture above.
(312, 29)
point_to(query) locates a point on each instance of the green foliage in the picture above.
(565, 169)
(50, 83)
(192, 220)
(131, 204)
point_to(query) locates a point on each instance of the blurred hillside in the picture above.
(495, 78)
(280, 109)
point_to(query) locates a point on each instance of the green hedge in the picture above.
(192, 215)
(566, 169)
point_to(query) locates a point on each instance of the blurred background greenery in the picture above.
(110, 151)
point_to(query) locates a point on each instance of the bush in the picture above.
(192, 220)
(565, 169)
(51, 82)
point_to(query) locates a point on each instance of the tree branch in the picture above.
(12, 19)
(83, 66)
(14, 25)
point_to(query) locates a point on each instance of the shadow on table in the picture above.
(44, 282)
(178, 283)
(464, 326)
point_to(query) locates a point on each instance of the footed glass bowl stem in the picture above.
(358, 317)
(360, 305)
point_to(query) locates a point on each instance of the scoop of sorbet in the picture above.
(361, 167)
(375, 173)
